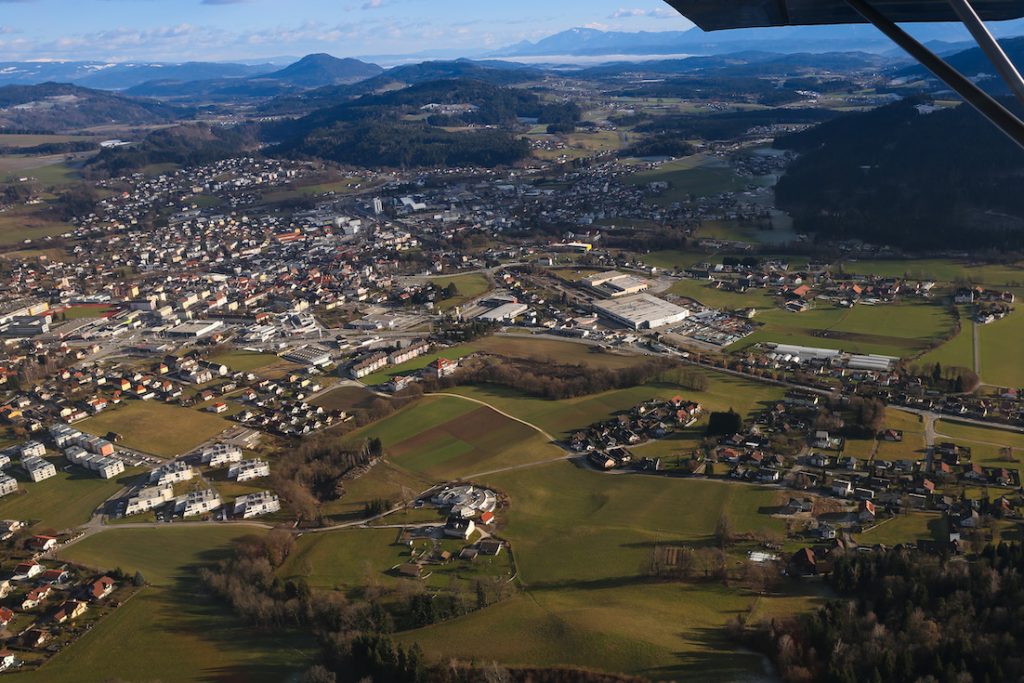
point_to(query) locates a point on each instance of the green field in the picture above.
(470, 286)
(64, 501)
(445, 438)
(566, 416)
(87, 311)
(582, 541)
(245, 361)
(907, 326)
(1002, 350)
(695, 175)
(958, 351)
(987, 445)
(171, 629)
(524, 347)
(907, 528)
(416, 364)
(157, 428)
(913, 446)
(28, 223)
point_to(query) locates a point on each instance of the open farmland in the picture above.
(447, 437)
(157, 428)
(588, 600)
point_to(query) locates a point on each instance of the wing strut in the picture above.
(990, 46)
(988, 106)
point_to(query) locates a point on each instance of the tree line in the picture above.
(907, 617)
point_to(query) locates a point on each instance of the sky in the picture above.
(220, 30)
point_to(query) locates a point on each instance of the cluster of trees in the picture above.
(724, 423)
(908, 617)
(885, 176)
(551, 380)
(730, 125)
(313, 473)
(948, 379)
(401, 144)
(47, 148)
(660, 145)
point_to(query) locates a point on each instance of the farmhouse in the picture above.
(641, 312)
(101, 588)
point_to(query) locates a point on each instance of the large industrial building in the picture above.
(613, 284)
(641, 312)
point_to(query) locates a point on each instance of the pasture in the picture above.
(22, 223)
(157, 428)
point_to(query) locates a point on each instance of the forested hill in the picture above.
(899, 175)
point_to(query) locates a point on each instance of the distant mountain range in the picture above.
(312, 71)
(856, 37)
(107, 76)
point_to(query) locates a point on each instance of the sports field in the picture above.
(63, 501)
(157, 428)
(171, 627)
(444, 438)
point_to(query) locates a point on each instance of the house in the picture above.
(7, 660)
(804, 563)
(487, 518)
(35, 597)
(842, 488)
(101, 588)
(27, 570)
(6, 615)
(35, 637)
(866, 511)
(490, 546)
(798, 505)
(441, 368)
(70, 610)
(411, 570)
(41, 543)
(457, 527)
(52, 576)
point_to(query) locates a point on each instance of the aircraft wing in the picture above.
(715, 15)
